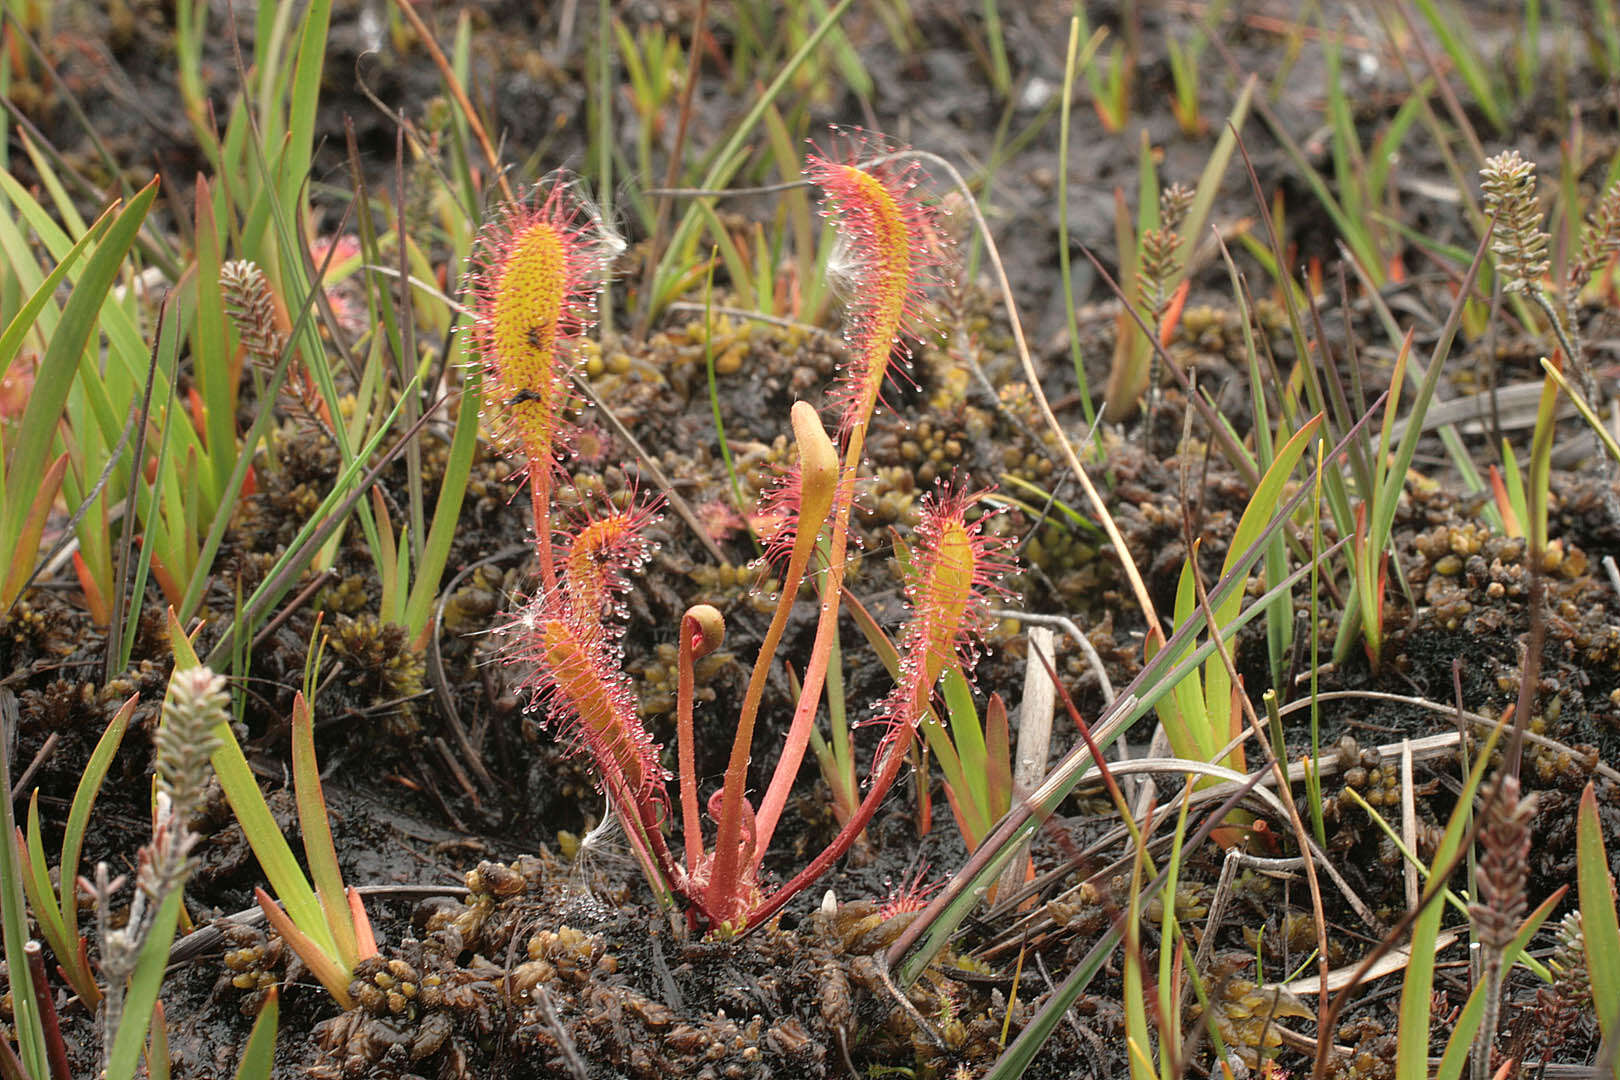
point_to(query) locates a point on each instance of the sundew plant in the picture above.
(539, 266)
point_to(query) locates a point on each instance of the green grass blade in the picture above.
(259, 1056)
(317, 829)
(967, 733)
(729, 158)
(37, 884)
(306, 95)
(211, 356)
(54, 377)
(84, 801)
(1417, 987)
(1156, 680)
(14, 911)
(1462, 1035)
(247, 803)
(1255, 522)
(1071, 320)
(143, 991)
(447, 511)
(1383, 517)
(24, 321)
(1468, 61)
(1598, 921)
(1209, 184)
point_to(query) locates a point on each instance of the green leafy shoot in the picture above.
(1598, 919)
(58, 916)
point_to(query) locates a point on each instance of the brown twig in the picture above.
(448, 74)
(55, 1051)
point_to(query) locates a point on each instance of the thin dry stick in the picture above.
(457, 91)
(1388, 943)
(1078, 636)
(559, 1033)
(1476, 719)
(1034, 741)
(1409, 823)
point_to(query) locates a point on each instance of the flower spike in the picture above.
(891, 248)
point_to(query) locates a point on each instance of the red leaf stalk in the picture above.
(815, 489)
(892, 250)
(703, 629)
(954, 565)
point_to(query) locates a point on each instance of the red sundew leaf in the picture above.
(601, 550)
(954, 566)
(538, 267)
(576, 681)
(891, 250)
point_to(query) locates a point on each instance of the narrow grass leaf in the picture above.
(84, 801)
(1466, 59)
(447, 511)
(57, 368)
(14, 911)
(1412, 1054)
(317, 829)
(26, 545)
(143, 991)
(247, 803)
(1598, 920)
(259, 1056)
(28, 315)
(315, 957)
(37, 883)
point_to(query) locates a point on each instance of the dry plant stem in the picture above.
(1531, 677)
(1104, 684)
(1389, 942)
(1388, 751)
(1034, 741)
(1442, 84)
(1409, 824)
(55, 1051)
(41, 756)
(448, 74)
(650, 467)
(1235, 455)
(1263, 798)
(559, 1034)
(1033, 378)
